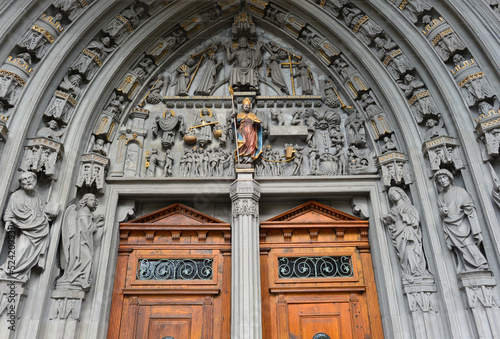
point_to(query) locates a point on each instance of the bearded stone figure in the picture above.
(25, 214)
(403, 221)
(460, 223)
(77, 250)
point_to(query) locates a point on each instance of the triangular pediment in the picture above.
(313, 212)
(176, 214)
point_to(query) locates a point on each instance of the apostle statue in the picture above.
(25, 215)
(77, 250)
(207, 82)
(249, 134)
(244, 76)
(460, 223)
(403, 221)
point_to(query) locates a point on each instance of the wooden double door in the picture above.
(316, 277)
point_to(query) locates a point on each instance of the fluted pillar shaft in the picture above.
(246, 319)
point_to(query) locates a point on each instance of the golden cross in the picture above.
(290, 64)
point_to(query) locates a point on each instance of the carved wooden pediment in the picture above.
(312, 212)
(176, 214)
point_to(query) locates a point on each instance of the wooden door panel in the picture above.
(178, 321)
(307, 319)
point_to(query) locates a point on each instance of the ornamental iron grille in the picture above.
(315, 267)
(175, 269)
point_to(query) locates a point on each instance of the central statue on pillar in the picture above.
(249, 134)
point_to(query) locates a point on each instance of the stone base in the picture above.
(476, 279)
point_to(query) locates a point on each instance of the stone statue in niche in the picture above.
(244, 76)
(249, 134)
(415, 8)
(92, 57)
(361, 24)
(227, 132)
(445, 40)
(403, 222)
(77, 243)
(184, 76)
(421, 102)
(120, 27)
(100, 146)
(41, 36)
(435, 128)
(460, 223)
(474, 88)
(389, 53)
(168, 124)
(305, 78)
(369, 105)
(169, 163)
(388, 146)
(72, 8)
(274, 68)
(355, 126)
(26, 215)
(51, 131)
(207, 82)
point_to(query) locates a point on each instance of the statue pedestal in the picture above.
(246, 315)
(65, 313)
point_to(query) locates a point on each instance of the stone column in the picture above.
(246, 317)
(12, 294)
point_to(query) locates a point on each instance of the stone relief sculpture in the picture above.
(64, 100)
(415, 8)
(51, 131)
(124, 23)
(403, 222)
(390, 54)
(72, 8)
(212, 68)
(333, 6)
(77, 243)
(274, 69)
(460, 223)
(361, 24)
(306, 80)
(442, 36)
(205, 125)
(153, 163)
(350, 76)
(419, 98)
(244, 75)
(92, 57)
(472, 82)
(184, 77)
(435, 128)
(355, 125)
(249, 134)
(26, 216)
(41, 36)
(15, 72)
(168, 124)
(158, 89)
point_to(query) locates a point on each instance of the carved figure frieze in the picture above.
(442, 36)
(156, 166)
(184, 77)
(120, 27)
(424, 301)
(471, 80)
(331, 97)
(460, 223)
(158, 89)
(133, 79)
(42, 35)
(28, 217)
(198, 162)
(91, 58)
(14, 74)
(77, 243)
(388, 145)
(403, 222)
(361, 24)
(393, 58)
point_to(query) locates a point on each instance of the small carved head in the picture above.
(443, 178)
(28, 180)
